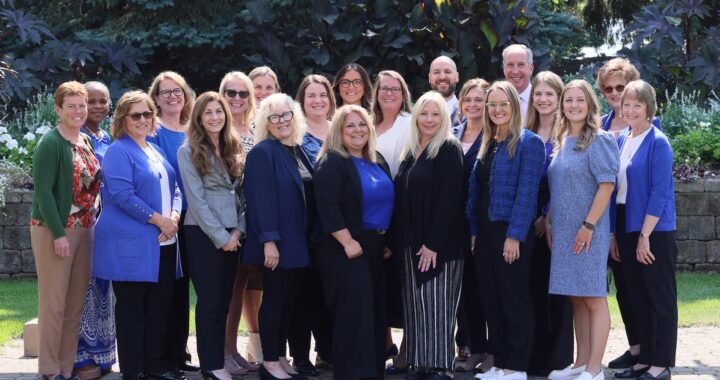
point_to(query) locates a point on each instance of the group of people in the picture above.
(482, 222)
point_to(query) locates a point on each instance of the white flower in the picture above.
(43, 129)
(3, 130)
(22, 150)
(12, 143)
(5, 137)
(29, 136)
(704, 124)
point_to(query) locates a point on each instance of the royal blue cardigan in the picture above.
(607, 119)
(514, 185)
(650, 188)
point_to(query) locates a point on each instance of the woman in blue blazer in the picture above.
(278, 182)
(135, 236)
(645, 233)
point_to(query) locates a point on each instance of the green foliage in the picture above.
(20, 134)
(701, 146)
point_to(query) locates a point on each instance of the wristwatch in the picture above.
(589, 225)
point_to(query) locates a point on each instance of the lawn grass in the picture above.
(698, 303)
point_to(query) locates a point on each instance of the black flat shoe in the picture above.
(178, 373)
(391, 352)
(435, 375)
(266, 375)
(393, 370)
(304, 367)
(664, 375)
(188, 367)
(631, 373)
(139, 376)
(209, 375)
(167, 375)
(626, 360)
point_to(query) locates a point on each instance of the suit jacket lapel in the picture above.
(289, 164)
(354, 177)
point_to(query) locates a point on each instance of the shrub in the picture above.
(20, 134)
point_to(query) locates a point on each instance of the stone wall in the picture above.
(697, 209)
(697, 206)
(16, 257)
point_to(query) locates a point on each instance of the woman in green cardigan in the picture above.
(67, 182)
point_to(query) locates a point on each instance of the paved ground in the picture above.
(698, 357)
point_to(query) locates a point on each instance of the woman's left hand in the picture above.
(643, 251)
(582, 241)
(427, 257)
(511, 250)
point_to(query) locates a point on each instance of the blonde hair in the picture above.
(189, 97)
(592, 124)
(266, 108)
(406, 102)
(469, 86)
(239, 75)
(67, 89)
(551, 79)
(117, 128)
(443, 134)
(515, 126)
(616, 68)
(333, 142)
(644, 93)
(264, 71)
(321, 80)
(202, 148)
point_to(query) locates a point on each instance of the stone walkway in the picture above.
(698, 357)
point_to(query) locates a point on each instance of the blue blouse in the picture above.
(99, 145)
(311, 145)
(169, 141)
(378, 195)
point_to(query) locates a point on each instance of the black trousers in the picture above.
(553, 339)
(355, 296)
(212, 272)
(310, 316)
(623, 300)
(280, 287)
(178, 327)
(472, 329)
(653, 292)
(507, 303)
(141, 314)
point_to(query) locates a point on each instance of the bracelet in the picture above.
(586, 229)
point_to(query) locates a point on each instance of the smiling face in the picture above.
(390, 94)
(351, 94)
(634, 113)
(517, 70)
(213, 118)
(429, 120)
(575, 107)
(545, 99)
(238, 105)
(282, 130)
(499, 108)
(355, 134)
(443, 77)
(264, 86)
(170, 98)
(473, 104)
(141, 128)
(316, 101)
(98, 106)
(615, 85)
(73, 112)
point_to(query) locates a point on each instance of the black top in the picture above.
(306, 174)
(429, 200)
(483, 173)
(339, 196)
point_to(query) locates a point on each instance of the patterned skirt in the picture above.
(429, 314)
(96, 344)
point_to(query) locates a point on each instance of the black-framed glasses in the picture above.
(137, 115)
(345, 83)
(234, 93)
(286, 116)
(175, 91)
(390, 90)
(609, 89)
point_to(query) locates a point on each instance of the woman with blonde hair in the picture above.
(553, 336)
(265, 83)
(354, 193)
(174, 100)
(501, 207)
(582, 177)
(428, 208)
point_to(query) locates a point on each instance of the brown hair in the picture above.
(321, 80)
(592, 124)
(551, 79)
(616, 68)
(202, 150)
(154, 91)
(66, 89)
(263, 71)
(467, 87)
(366, 100)
(644, 93)
(333, 142)
(406, 102)
(117, 129)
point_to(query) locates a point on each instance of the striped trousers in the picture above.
(429, 313)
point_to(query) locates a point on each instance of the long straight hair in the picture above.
(334, 143)
(592, 123)
(443, 134)
(533, 116)
(514, 129)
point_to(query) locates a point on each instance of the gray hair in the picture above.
(516, 47)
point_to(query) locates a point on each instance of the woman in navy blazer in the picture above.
(645, 233)
(135, 236)
(278, 177)
(471, 334)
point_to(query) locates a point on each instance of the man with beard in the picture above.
(443, 78)
(518, 68)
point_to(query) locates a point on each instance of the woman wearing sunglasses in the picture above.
(136, 237)
(278, 181)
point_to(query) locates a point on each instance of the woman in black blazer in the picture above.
(429, 199)
(354, 193)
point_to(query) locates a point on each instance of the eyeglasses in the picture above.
(503, 105)
(137, 115)
(609, 89)
(390, 90)
(175, 91)
(234, 93)
(286, 116)
(345, 83)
